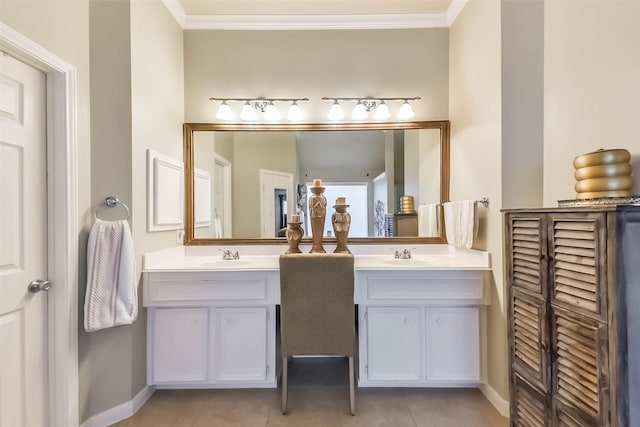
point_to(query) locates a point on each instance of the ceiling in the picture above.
(312, 7)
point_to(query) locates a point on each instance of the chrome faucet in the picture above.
(405, 254)
(228, 255)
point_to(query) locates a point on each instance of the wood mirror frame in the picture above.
(189, 128)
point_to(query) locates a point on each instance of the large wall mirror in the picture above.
(242, 182)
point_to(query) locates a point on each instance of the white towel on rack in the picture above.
(461, 222)
(111, 297)
(428, 220)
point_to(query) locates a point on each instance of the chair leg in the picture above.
(285, 365)
(352, 395)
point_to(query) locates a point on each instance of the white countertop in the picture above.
(265, 257)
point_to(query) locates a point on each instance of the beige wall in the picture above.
(108, 380)
(313, 64)
(275, 151)
(475, 114)
(157, 109)
(591, 87)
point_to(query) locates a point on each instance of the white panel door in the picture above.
(394, 344)
(180, 345)
(240, 343)
(453, 344)
(23, 245)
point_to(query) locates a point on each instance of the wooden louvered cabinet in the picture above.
(567, 315)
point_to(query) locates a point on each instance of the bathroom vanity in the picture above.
(212, 322)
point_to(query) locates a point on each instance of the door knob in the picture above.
(39, 285)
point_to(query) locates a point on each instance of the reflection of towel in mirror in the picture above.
(461, 223)
(428, 220)
(218, 227)
(111, 296)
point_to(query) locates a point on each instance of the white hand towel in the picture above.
(428, 220)
(111, 296)
(461, 223)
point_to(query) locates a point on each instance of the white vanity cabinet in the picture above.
(420, 328)
(211, 329)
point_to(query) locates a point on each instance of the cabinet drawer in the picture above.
(416, 288)
(186, 289)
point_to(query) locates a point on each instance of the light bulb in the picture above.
(382, 112)
(295, 113)
(248, 112)
(359, 112)
(224, 112)
(405, 112)
(335, 112)
(271, 113)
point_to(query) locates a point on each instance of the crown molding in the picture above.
(177, 11)
(314, 22)
(454, 9)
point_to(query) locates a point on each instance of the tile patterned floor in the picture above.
(319, 399)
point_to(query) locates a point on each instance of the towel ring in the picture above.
(112, 202)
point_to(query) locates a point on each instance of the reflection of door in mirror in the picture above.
(213, 209)
(222, 196)
(275, 188)
(280, 205)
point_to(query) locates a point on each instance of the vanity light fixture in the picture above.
(406, 112)
(367, 104)
(382, 112)
(248, 112)
(253, 106)
(335, 112)
(224, 112)
(295, 113)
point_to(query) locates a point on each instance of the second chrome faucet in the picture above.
(404, 254)
(228, 255)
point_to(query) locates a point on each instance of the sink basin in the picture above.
(218, 263)
(411, 262)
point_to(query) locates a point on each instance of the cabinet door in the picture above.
(179, 345)
(580, 372)
(526, 250)
(579, 267)
(529, 406)
(528, 338)
(452, 344)
(240, 344)
(394, 344)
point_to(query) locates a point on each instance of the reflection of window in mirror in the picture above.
(359, 207)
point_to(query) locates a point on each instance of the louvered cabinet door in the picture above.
(530, 340)
(580, 369)
(529, 407)
(579, 280)
(526, 252)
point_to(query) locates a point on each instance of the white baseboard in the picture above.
(496, 400)
(120, 412)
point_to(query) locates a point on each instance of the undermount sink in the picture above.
(410, 262)
(218, 263)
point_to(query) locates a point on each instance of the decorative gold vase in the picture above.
(603, 174)
(341, 221)
(317, 214)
